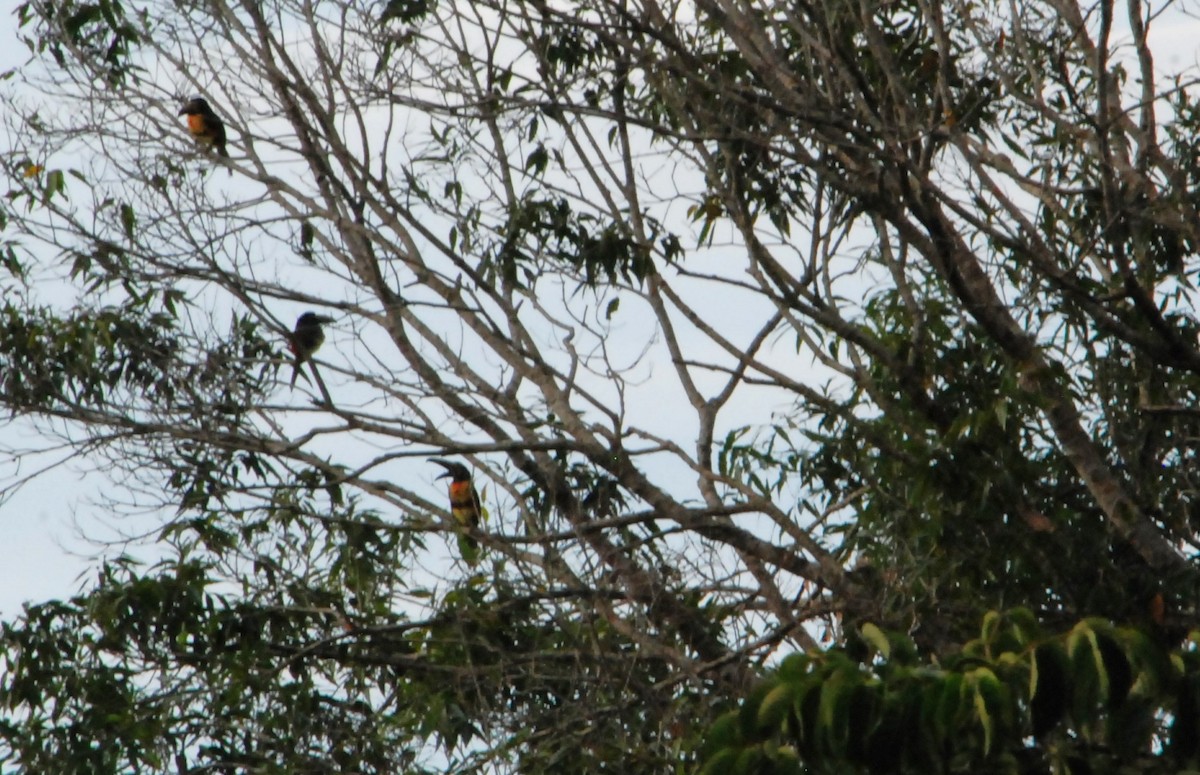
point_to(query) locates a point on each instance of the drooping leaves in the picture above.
(1012, 699)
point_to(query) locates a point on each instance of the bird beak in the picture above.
(183, 111)
(443, 464)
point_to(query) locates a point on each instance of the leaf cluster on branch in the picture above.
(1096, 698)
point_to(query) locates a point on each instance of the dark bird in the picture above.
(306, 338)
(206, 127)
(465, 506)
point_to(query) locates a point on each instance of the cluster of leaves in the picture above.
(963, 504)
(102, 30)
(132, 675)
(1015, 699)
(48, 359)
(164, 669)
(97, 357)
(550, 229)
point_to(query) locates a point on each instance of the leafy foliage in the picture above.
(105, 33)
(1096, 698)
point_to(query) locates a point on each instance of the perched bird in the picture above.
(465, 505)
(306, 339)
(206, 127)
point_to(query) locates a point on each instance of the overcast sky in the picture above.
(39, 549)
(41, 553)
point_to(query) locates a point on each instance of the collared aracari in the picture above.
(306, 338)
(205, 126)
(465, 505)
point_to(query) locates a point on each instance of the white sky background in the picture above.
(42, 555)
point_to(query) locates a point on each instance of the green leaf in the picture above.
(55, 183)
(1024, 625)
(750, 710)
(1089, 678)
(786, 761)
(748, 761)
(949, 706)
(128, 221)
(721, 763)
(991, 623)
(793, 667)
(877, 638)
(1152, 664)
(862, 711)
(808, 711)
(1001, 410)
(774, 708)
(833, 722)
(886, 743)
(1117, 670)
(989, 703)
(1049, 687)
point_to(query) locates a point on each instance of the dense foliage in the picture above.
(787, 344)
(1096, 698)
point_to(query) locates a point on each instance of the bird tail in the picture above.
(468, 547)
(297, 371)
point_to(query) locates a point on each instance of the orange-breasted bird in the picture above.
(465, 505)
(306, 338)
(206, 127)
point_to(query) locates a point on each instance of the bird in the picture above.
(465, 505)
(206, 127)
(306, 338)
